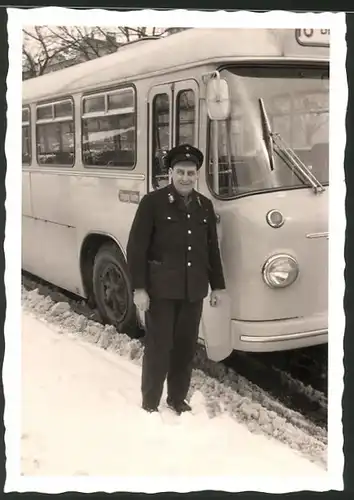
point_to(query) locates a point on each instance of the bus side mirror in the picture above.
(218, 98)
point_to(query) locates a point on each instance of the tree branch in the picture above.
(49, 42)
(33, 70)
(108, 39)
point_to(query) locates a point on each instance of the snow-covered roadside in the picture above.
(237, 398)
(81, 416)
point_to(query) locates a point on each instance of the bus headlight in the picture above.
(280, 270)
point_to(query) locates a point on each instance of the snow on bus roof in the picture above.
(190, 47)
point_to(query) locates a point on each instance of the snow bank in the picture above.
(81, 416)
(224, 391)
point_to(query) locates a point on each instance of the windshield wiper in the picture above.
(273, 140)
(267, 133)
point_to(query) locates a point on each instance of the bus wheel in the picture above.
(112, 290)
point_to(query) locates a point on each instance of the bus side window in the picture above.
(185, 117)
(26, 137)
(109, 129)
(161, 139)
(55, 133)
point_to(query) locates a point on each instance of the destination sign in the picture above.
(313, 37)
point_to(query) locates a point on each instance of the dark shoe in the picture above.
(178, 407)
(149, 409)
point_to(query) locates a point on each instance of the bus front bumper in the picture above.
(266, 336)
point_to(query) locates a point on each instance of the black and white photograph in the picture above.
(175, 296)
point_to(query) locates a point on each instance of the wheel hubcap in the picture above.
(114, 293)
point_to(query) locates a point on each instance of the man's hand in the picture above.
(141, 300)
(215, 297)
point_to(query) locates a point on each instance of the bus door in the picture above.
(173, 120)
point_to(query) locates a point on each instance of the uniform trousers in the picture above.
(172, 328)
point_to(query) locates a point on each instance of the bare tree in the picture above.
(39, 48)
(49, 48)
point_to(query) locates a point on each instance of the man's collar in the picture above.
(174, 195)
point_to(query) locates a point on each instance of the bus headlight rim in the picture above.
(271, 223)
(270, 269)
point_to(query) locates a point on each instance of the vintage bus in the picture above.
(256, 102)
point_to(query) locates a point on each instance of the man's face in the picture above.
(184, 176)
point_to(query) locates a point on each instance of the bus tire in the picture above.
(112, 290)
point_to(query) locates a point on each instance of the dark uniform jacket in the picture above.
(173, 250)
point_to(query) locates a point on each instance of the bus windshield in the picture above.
(297, 104)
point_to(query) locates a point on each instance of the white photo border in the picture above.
(17, 19)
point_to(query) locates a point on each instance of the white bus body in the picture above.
(92, 136)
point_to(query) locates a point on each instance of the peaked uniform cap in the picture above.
(184, 152)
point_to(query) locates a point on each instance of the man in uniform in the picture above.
(173, 256)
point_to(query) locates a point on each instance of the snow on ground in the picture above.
(225, 393)
(81, 415)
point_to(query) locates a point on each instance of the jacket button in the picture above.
(189, 248)
(189, 264)
(189, 231)
(189, 216)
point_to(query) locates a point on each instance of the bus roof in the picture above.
(190, 47)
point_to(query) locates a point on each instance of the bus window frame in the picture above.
(208, 177)
(154, 129)
(105, 92)
(29, 124)
(177, 123)
(173, 89)
(61, 119)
